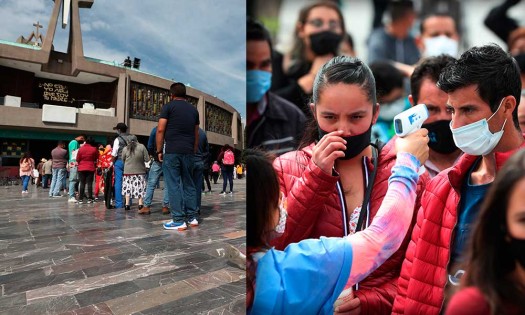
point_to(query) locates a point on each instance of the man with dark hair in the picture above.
(121, 141)
(59, 157)
(394, 42)
(178, 134)
(438, 35)
(443, 151)
(73, 147)
(201, 163)
(178, 89)
(483, 88)
(273, 123)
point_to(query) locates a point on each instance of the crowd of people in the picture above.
(125, 170)
(324, 232)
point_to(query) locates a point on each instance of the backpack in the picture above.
(124, 139)
(229, 158)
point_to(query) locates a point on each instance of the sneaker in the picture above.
(90, 201)
(175, 226)
(230, 192)
(71, 199)
(222, 193)
(79, 202)
(57, 196)
(194, 222)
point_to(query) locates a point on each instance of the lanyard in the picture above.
(369, 183)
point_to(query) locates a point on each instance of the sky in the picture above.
(201, 43)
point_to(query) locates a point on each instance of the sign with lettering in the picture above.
(53, 92)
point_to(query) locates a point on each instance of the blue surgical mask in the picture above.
(258, 82)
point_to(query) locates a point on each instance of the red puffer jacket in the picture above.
(421, 285)
(87, 157)
(314, 210)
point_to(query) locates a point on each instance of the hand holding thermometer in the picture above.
(409, 121)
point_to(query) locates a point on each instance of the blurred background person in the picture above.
(40, 170)
(394, 41)
(346, 47)
(391, 97)
(438, 35)
(318, 33)
(47, 170)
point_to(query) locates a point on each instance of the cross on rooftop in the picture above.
(37, 25)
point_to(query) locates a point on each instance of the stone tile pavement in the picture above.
(62, 258)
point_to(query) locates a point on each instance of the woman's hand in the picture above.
(328, 149)
(416, 144)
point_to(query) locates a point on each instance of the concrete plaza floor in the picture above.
(62, 258)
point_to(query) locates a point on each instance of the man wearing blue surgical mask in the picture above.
(483, 88)
(443, 151)
(272, 123)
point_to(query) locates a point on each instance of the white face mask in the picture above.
(476, 138)
(387, 111)
(281, 225)
(435, 46)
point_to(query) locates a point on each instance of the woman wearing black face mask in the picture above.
(336, 182)
(494, 282)
(318, 34)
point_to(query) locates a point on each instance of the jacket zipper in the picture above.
(449, 254)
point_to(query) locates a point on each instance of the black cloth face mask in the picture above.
(440, 137)
(324, 43)
(354, 144)
(517, 248)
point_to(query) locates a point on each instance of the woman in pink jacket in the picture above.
(27, 164)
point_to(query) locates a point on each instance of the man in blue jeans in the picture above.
(154, 174)
(73, 147)
(178, 130)
(201, 157)
(122, 140)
